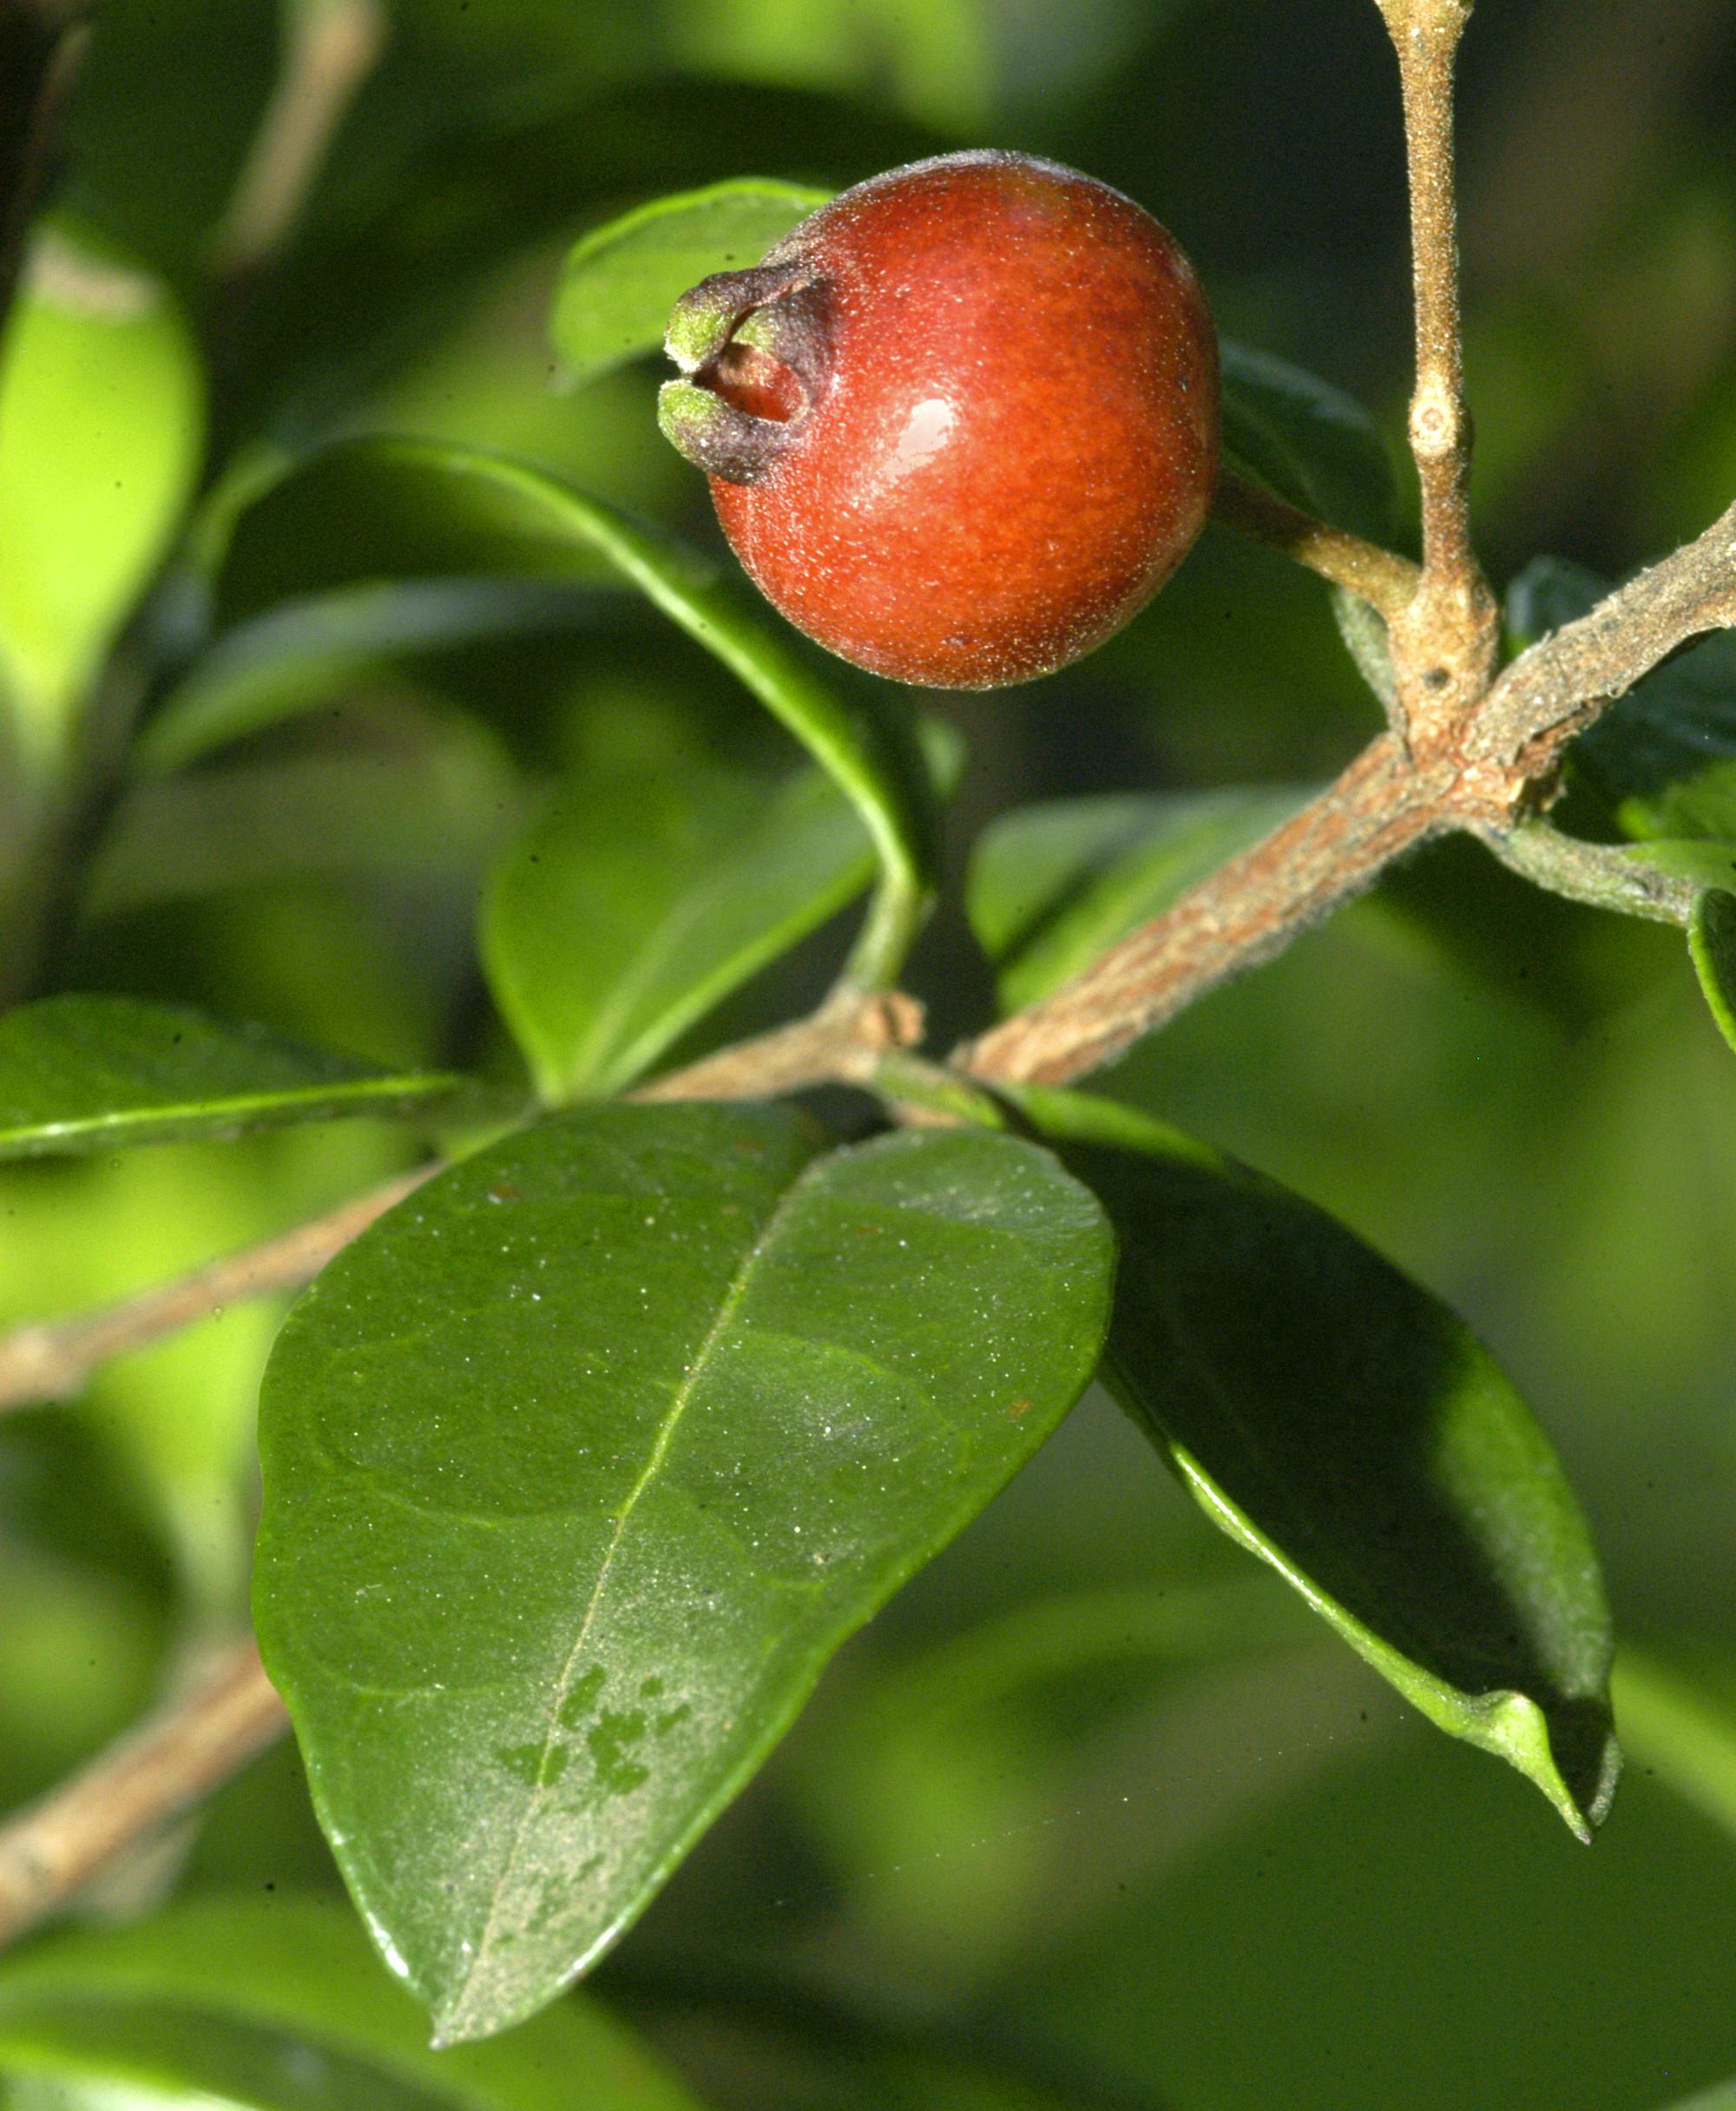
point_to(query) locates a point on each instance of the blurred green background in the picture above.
(1087, 1794)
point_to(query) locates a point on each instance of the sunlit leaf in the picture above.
(101, 420)
(1712, 942)
(620, 280)
(89, 1073)
(1338, 1421)
(278, 2003)
(580, 1465)
(1051, 887)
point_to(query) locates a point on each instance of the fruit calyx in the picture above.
(754, 351)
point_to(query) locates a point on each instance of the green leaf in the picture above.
(101, 422)
(91, 1073)
(640, 899)
(304, 651)
(620, 280)
(1712, 945)
(580, 1465)
(420, 506)
(1051, 886)
(1310, 442)
(1339, 1422)
(279, 2004)
(1663, 757)
(453, 797)
(1318, 448)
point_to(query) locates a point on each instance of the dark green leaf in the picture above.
(101, 418)
(620, 281)
(302, 652)
(1310, 442)
(580, 1465)
(1318, 448)
(1339, 1422)
(278, 2003)
(1051, 887)
(1712, 942)
(644, 895)
(89, 1073)
(639, 900)
(1664, 756)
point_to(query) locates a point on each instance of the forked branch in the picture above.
(1472, 754)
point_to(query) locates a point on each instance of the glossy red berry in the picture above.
(961, 422)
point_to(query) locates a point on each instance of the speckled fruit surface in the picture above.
(962, 421)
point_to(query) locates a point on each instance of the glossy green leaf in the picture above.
(1051, 887)
(620, 281)
(101, 420)
(1720, 2098)
(1309, 441)
(1712, 944)
(578, 1467)
(1340, 1422)
(278, 2003)
(639, 900)
(91, 1073)
(644, 895)
(302, 652)
(420, 506)
(1663, 758)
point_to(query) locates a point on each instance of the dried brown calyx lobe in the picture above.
(753, 348)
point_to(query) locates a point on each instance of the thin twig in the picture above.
(1385, 581)
(1334, 849)
(1444, 644)
(40, 41)
(1559, 687)
(330, 47)
(840, 1045)
(51, 1359)
(169, 1763)
(1601, 875)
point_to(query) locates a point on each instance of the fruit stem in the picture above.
(1386, 582)
(1450, 629)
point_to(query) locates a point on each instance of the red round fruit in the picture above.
(961, 422)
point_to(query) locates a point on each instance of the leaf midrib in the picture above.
(661, 1444)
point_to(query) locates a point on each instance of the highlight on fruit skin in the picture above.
(962, 423)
